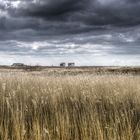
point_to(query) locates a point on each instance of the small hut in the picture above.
(71, 64)
(18, 65)
(62, 64)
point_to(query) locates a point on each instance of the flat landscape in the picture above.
(69, 69)
(81, 103)
(59, 71)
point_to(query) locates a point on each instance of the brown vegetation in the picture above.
(74, 70)
(83, 107)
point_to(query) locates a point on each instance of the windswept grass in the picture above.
(69, 108)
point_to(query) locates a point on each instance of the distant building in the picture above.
(71, 64)
(62, 64)
(18, 65)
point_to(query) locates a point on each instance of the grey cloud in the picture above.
(118, 42)
(69, 16)
(70, 27)
(44, 8)
(93, 12)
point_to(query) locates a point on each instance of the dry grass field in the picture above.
(39, 106)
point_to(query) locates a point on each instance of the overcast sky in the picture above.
(87, 32)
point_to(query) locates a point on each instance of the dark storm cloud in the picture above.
(91, 12)
(54, 14)
(49, 8)
(68, 27)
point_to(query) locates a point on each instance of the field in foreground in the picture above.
(84, 107)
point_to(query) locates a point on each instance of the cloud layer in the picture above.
(95, 28)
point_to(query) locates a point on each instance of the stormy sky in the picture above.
(87, 32)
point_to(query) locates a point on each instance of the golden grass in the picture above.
(69, 107)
